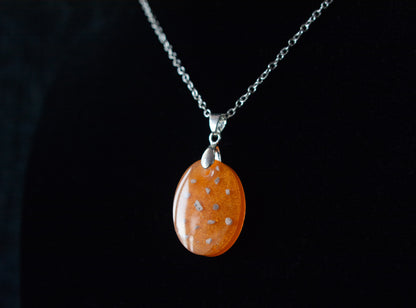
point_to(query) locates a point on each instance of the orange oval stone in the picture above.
(209, 209)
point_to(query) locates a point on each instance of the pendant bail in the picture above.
(211, 154)
(217, 123)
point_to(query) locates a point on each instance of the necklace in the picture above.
(209, 204)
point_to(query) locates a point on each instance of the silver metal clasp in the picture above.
(217, 123)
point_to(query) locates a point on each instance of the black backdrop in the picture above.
(325, 150)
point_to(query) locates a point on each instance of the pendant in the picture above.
(209, 205)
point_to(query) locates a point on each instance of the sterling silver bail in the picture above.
(217, 123)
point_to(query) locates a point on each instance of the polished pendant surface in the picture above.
(209, 209)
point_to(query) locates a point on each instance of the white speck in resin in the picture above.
(207, 190)
(215, 207)
(227, 191)
(211, 222)
(228, 221)
(217, 180)
(193, 181)
(198, 206)
(208, 241)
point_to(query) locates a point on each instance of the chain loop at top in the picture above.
(251, 88)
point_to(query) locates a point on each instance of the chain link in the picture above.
(253, 87)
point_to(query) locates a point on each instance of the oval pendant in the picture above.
(209, 209)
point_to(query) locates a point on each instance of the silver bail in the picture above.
(210, 155)
(217, 123)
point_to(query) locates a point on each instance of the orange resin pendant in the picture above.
(209, 209)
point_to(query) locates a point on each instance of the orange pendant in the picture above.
(209, 209)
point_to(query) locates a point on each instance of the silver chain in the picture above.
(253, 87)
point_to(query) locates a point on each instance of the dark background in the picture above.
(97, 129)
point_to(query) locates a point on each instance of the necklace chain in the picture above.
(253, 87)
